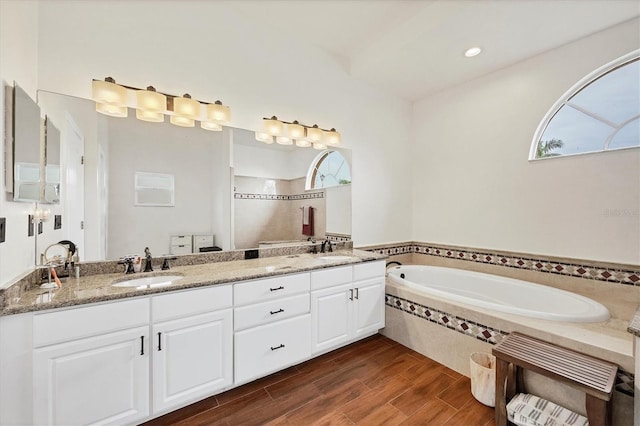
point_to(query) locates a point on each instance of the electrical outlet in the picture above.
(57, 221)
(39, 228)
(3, 228)
(30, 226)
(251, 254)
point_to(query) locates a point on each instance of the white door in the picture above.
(331, 317)
(73, 188)
(369, 306)
(102, 379)
(192, 358)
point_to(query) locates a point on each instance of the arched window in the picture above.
(601, 112)
(329, 168)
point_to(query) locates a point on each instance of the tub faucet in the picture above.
(147, 266)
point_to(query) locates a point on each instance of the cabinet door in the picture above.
(368, 306)
(102, 379)
(331, 317)
(192, 358)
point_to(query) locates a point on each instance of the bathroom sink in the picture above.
(335, 258)
(149, 282)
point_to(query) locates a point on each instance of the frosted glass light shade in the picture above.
(186, 107)
(284, 140)
(208, 125)
(319, 146)
(150, 105)
(303, 143)
(314, 134)
(154, 117)
(106, 92)
(182, 121)
(218, 113)
(112, 110)
(295, 131)
(273, 126)
(264, 137)
(332, 137)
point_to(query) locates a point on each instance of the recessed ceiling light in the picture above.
(469, 53)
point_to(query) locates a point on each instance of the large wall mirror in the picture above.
(127, 184)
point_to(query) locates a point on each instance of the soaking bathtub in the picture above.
(499, 293)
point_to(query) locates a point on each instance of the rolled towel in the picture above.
(530, 410)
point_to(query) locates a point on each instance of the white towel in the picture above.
(305, 215)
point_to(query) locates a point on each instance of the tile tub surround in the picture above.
(619, 291)
(449, 333)
(97, 288)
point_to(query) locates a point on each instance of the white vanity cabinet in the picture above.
(272, 324)
(346, 303)
(91, 364)
(192, 335)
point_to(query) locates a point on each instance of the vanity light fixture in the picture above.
(302, 135)
(41, 215)
(113, 99)
(150, 105)
(473, 51)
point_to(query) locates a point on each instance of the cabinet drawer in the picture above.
(181, 240)
(262, 350)
(330, 277)
(270, 311)
(270, 288)
(190, 302)
(181, 249)
(71, 324)
(363, 271)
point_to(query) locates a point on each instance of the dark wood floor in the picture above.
(372, 382)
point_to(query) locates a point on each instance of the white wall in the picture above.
(196, 160)
(209, 51)
(18, 62)
(474, 186)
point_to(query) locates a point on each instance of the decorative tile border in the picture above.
(277, 197)
(469, 328)
(593, 271)
(338, 238)
(493, 336)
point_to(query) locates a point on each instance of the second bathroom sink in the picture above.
(335, 258)
(149, 282)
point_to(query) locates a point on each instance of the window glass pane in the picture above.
(577, 131)
(614, 96)
(628, 136)
(332, 170)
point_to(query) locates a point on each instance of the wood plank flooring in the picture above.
(372, 382)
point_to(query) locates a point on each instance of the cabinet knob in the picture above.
(276, 312)
(350, 294)
(141, 345)
(159, 341)
(276, 289)
(277, 347)
(357, 292)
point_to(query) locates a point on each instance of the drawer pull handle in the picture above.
(350, 294)
(357, 293)
(159, 341)
(277, 347)
(141, 345)
(276, 289)
(277, 312)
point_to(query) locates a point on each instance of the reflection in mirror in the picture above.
(26, 147)
(272, 206)
(52, 163)
(204, 209)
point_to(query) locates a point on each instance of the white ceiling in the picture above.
(414, 48)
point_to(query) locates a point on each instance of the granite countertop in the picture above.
(634, 325)
(98, 288)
